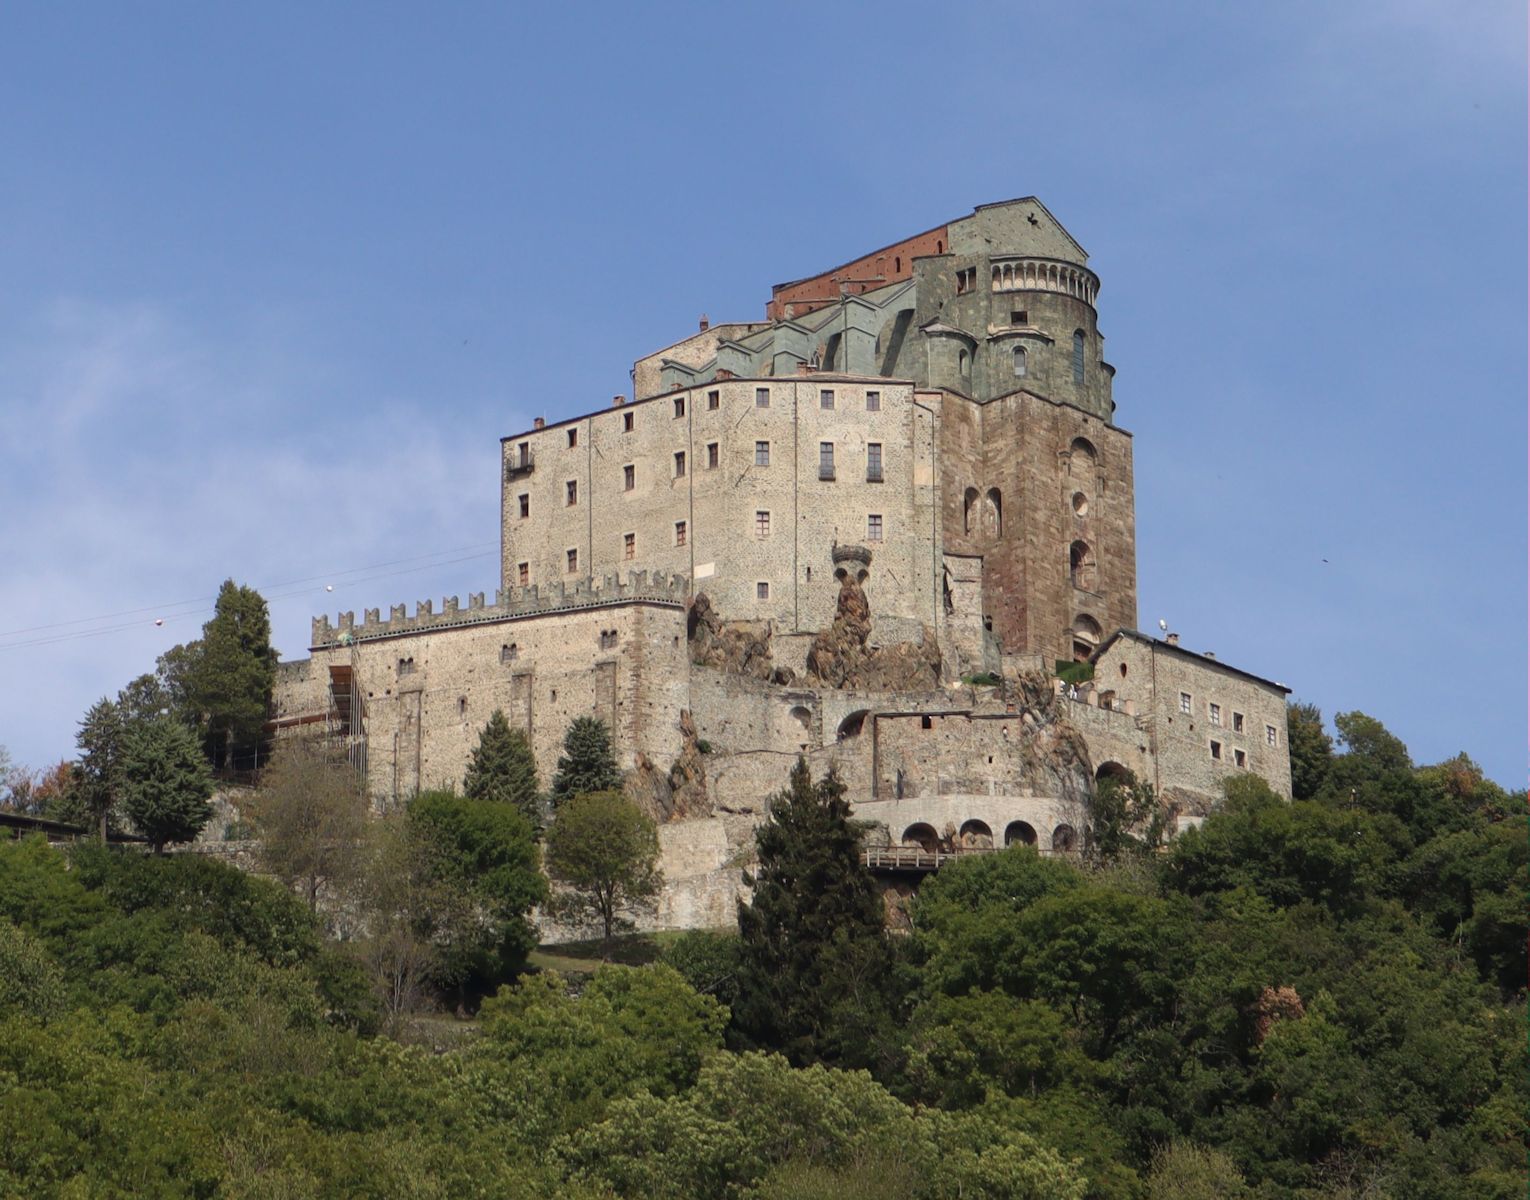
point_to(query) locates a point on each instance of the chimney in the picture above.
(1171, 638)
(539, 423)
(704, 323)
(618, 401)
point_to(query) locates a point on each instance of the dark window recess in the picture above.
(825, 460)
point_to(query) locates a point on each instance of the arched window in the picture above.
(852, 725)
(1085, 633)
(961, 363)
(1084, 452)
(922, 835)
(1018, 356)
(802, 716)
(1064, 839)
(1081, 566)
(975, 835)
(1019, 833)
(993, 513)
(968, 500)
(1078, 356)
(897, 263)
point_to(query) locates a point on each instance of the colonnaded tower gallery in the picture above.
(870, 529)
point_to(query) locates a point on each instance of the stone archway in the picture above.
(1019, 833)
(1064, 839)
(974, 835)
(922, 834)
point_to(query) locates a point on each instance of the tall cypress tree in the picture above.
(231, 674)
(503, 767)
(100, 742)
(815, 964)
(587, 763)
(165, 782)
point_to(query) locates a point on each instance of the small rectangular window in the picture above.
(1240, 759)
(629, 545)
(713, 400)
(762, 454)
(711, 455)
(873, 401)
(1271, 738)
(1184, 703)
(571, 492)
(874, 527)
(525, 501)
(1216, 751)
(523, 573)
(1214, 711)
(509, 653)
(825, 460)
(679, 533)
(762, 397)
(573, 560)
(1018, 317)
(762, 590)
(679, 463)
(826, 398)
(873, 462)
(626, 422)
(1237, 722)
(679, 406)
(762, 524)
(573, 438)
(629, 477)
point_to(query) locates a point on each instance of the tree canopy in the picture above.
(503, 768)
(605, 851)
(587, 763)
(165, 783)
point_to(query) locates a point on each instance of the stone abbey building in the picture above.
(865, 529)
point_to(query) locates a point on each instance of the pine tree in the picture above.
(165, 782)
(228, 676)
(503, 767)
(587, 763)
(100, 741)
(815, 962)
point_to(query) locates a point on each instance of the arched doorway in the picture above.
(1113, 771)
(974, 835)
(1019, 833)
(1064, 839)
(852, 725)
(923, 836)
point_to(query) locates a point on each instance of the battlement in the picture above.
(656, 587)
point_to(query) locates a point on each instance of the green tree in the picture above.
(1311, 749)
(503, 768)
(100, 739)
(311, 815)
(815, 965)
(229, 676)
(1125, 818)
(165, 782)
(587, 763)
(605, 850)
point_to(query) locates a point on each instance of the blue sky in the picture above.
(276, 281)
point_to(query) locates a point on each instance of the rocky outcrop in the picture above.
(841, 658)
(678, 794)
(729, 646)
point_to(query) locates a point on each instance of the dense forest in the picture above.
(1318, 998)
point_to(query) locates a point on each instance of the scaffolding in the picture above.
(345, 719)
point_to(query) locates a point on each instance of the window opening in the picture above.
(826, 460)
(629, 477)
(679, 533)
(762, 454)
(762, 524)
(873, 462)
(762, 397)
(874, 527)
(873, 401)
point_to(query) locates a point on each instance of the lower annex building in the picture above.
(865, 529)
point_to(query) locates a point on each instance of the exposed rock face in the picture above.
(682, 792)
(727, 647)
(840, 658)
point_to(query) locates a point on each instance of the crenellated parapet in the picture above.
(656, 587)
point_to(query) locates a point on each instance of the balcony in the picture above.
(520, 464)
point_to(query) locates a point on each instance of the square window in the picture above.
(679, 406)
(626, 422)
(825, 460)
(762, 397)
(1184, 703)
(573, 438)
(874, 527)
(873, 401)
(1215, 713)
(713, 399)
(523, 573)
(1271, 738)
(629, 477)
(762, 590)
(525, 501)
(679, 533)
(571, 492)
(762, 454)
(629, 545)
(679, 463)
(1240, 759)
(573, 560)
(873, 462)
(1017, 317)
(509, 653)
(711, 455)
(1216, 751)
(762, 524)
(1237, 722)
(826, 398)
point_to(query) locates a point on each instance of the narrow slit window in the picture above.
(679, 463)
(629, 545)
(679, 533)
(629, 477)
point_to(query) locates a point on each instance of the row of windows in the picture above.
(1019, 359)
(874, 527)
(1214, 716)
